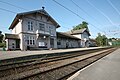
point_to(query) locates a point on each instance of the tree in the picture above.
(104, 40)
(101, 40)
(1, 37)
(81, 26)
(110, 39)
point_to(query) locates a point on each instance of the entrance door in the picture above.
(52, 42)
(18, 44)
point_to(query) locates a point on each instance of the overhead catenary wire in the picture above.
(25, 17)
(90, 15)
(53, 0)
(8, 10)
(79, 17)
(101, 12)
(66, 8)
(76, 14)
(40, 21)
(19, 8)
(84, 11)
(12, 5)
(113, 7)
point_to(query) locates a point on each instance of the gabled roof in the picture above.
(41, 11)
(92, 40)
(61, 34)
(72, 32)
(11, 36)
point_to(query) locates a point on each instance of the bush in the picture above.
(2, 45)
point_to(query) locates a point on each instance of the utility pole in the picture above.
(105, 39)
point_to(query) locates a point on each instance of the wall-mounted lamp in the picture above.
(44, 37)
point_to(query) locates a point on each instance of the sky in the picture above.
(103, 16)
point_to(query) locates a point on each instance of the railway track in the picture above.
(52, 68)
(12, 68)
(33, 58)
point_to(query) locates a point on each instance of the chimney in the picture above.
(43, 8)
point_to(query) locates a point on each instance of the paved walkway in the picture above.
(13, 54)
(107, 68)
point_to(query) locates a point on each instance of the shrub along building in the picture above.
(37, 30)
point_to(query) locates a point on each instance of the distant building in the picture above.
(114, 42)
(92, 43)
(82, 34)
(65, 40)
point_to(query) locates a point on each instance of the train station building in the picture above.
(37, 30)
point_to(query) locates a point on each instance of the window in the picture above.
(41, 26)
(30, 26)
(51, 30)
(41, 43)
(27, 39)
(30, 40)
(58, 43)
(33, 41)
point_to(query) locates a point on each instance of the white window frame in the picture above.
(30, 26)
(30, 40)
(51, 30)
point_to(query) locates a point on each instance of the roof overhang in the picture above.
(65, 35)
(11, 36)
(15, 21)
(81, 31)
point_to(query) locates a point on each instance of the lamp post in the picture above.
(105, 39)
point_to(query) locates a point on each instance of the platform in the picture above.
(14, 54)
(107, 68)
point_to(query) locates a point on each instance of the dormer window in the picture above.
(30, 26)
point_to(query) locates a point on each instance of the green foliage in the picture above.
(2, 45)
(1, 37)
(110, 39)
(81, 26)
(101, 40)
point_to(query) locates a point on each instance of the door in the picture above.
(17, 43)
(52, 42)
